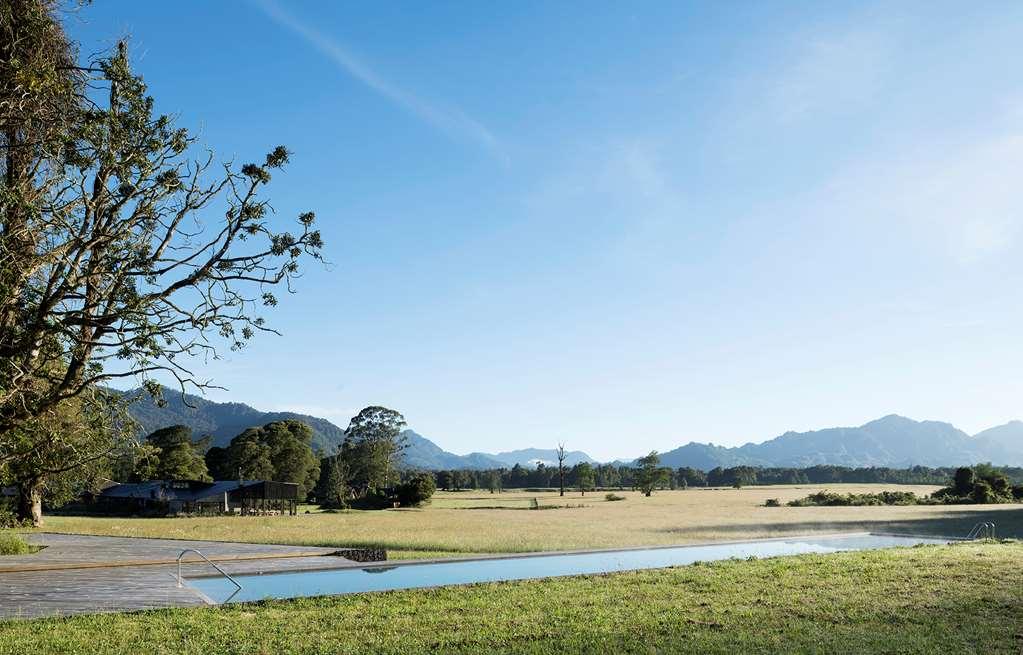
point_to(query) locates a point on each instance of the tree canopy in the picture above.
(173, 455)
(371, 446)
(584, 478)
(125, 250)
(65, 451)
(278, 451)
(650, 473)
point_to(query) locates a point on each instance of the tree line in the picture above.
(982, 484)
(647, 472)
(364, 471)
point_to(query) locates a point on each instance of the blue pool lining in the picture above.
(555, 553)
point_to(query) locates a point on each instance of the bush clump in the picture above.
(9, 519)
(829, 499)
(772, 502)
(12, 543)
(613, 497)
(417, 490)
(979, 485)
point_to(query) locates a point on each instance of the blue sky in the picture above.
(621, 225)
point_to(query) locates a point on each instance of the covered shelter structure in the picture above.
(170, 497)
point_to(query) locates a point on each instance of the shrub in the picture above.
(982, 493)
(9, 519)
(613, 497)
(12, 543)
(829, 499)
(981, 484)
(962, 481)
(772, 502)
(416, 490)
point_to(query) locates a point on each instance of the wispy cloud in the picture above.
(963, 196)
(619, 191)
(844, 70)
(451, 120)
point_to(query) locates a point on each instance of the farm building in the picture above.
(169, 497)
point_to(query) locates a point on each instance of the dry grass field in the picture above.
(471, 522)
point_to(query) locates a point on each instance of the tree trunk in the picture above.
(30, 501)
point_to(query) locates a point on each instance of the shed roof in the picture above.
(183, 490)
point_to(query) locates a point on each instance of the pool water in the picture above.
(436, 574)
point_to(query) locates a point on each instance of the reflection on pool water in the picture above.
(411, 576)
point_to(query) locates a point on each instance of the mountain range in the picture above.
(423, 453)
(893, 441)
(222, 421)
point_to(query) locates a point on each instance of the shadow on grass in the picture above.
(953, 523)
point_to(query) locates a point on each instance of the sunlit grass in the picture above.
(933, 599)
(468, 522)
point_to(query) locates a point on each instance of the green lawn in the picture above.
(936, 599)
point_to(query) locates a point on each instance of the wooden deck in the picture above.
(81, 574)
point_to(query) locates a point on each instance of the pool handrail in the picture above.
(985, 528)
(210, 562)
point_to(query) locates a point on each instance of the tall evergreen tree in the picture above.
(372, 444)
(176, 456)
(584, 480)
(650, 473)
(280, 451)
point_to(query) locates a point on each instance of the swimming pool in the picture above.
(413, 575)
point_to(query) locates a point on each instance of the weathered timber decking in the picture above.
(86, 551)
(81, 574)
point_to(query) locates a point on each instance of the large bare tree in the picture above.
(125, 251)
(560, 452)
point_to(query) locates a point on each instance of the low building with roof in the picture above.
(172, 497)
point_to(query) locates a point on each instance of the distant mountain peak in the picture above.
(891, 440)
(891, 419)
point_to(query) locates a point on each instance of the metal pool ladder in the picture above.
(983, 530)
(211, 563)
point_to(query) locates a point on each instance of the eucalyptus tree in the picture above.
(126, 251)
(176, 455)
(371, 447)
(494, 481)
(279, 451)
(650, 473)
(584, 479)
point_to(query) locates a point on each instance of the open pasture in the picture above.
(473, 521)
